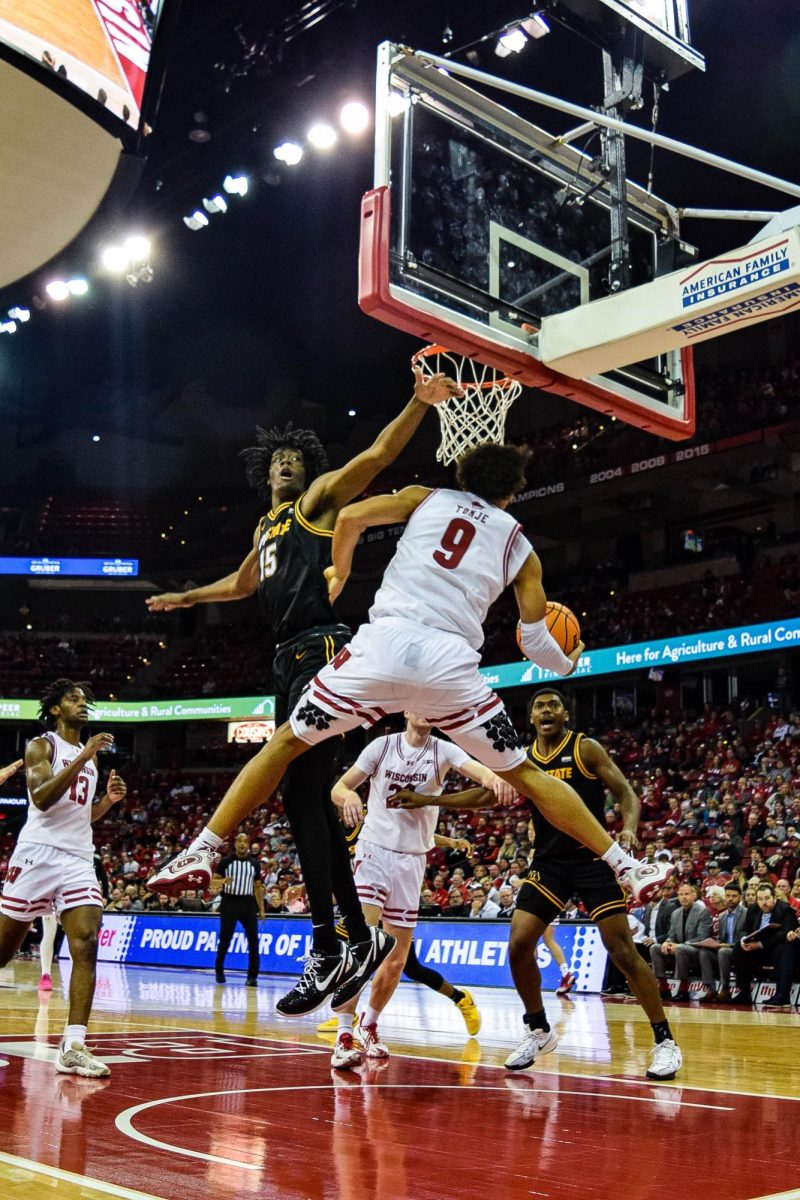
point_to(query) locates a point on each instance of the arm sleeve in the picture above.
(222, 866)
(541, 648)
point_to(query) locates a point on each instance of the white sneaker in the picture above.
(535, 1042)
(79, 1060)
(643, 880)
(346, 1053)
(665, 1061)
(191, 869)
(568, 982)
(373, 1046)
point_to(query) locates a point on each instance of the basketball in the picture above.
(562, 624)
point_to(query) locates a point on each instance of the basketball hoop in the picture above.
(479, 414)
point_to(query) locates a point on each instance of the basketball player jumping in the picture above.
(52, 865)
(291, 548)
(390, 860)
(419, 653)
(561, 867)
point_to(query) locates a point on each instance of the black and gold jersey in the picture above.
(292, 555)
(565, 762)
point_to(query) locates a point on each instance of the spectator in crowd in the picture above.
(766, 941)
(730, 929)
(656, 917)
(689, 925)
(481, 907)
(427, 907)
(275, 905)
(456, 905)
(192, 901)
(506, 903)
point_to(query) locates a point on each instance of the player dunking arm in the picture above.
(390, 860)
(52, 865)
(560, 868)
(420, 651)
(291, 548)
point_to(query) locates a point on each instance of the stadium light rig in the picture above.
(514, 38)
(131, 259)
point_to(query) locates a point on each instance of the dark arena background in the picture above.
(184, 256)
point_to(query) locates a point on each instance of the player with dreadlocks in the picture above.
(52, 868)
(291, 549)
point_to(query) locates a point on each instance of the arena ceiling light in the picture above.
(536, 26)
(20, 314)
(57, 290)
(235, 185)
(77, 287)
(322, 136)
(289, 153)
(217, 204)
(354, 117)
(511, 41)
(196, 221)
(114, 259)
(8, 327)
(137, 247)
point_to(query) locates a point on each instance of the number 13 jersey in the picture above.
(67, 824)
(457, 554)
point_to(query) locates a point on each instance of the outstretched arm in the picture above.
(236, 586)
(331, 491)
(479, 797)
(11, 769)
(353, 520)
(596, 758)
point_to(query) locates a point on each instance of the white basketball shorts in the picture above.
(391, 880)
(43, 879)
(396, 666)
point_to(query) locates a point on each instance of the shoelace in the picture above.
(306, 980)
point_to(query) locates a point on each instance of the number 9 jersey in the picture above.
(67, 824)
(456, 555)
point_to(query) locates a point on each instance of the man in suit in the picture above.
(731, 928)
(690, 924)
(656, 917)
(775, 923)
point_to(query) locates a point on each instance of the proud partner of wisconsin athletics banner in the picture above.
(467, 952)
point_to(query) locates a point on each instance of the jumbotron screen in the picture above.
(99, 46)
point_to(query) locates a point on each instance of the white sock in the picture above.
(207, 841)
(371, 1016)
(344, 1022)
(49, 926)
(73, 1034)
(618, 859)
(564, 970)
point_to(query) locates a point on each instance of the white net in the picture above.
(479, 415)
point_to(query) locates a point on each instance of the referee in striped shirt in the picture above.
(242, 901)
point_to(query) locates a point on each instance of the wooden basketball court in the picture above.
(212, 1096)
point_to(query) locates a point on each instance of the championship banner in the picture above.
(473, 953)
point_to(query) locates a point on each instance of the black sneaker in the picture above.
(220, 977)
(251, 981)
(324, 973)
(368, 956)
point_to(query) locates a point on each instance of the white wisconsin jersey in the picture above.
(456, 555)
(392, 764)
(67, 824)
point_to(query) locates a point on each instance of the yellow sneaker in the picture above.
(469, 1011)
(332, 1025)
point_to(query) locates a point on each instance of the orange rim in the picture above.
(504, 382)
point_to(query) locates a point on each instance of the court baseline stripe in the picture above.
(86, 1181)
(124, 1120)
